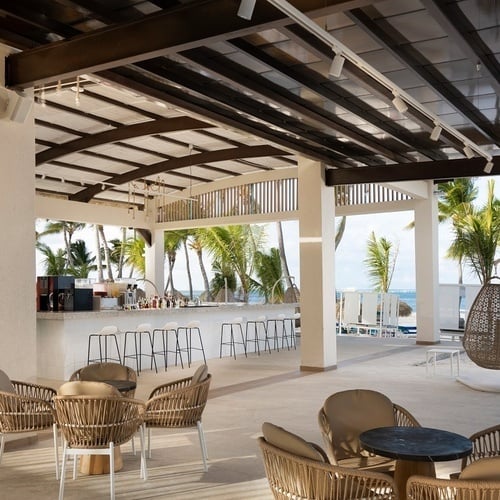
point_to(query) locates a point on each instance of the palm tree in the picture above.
(68, 229)
(284, 262)
(105, 248)
(381, 262)
(134, 249)
(55, 263)
(269, 272)
(477, 234)
(455, 199)
(82, 260)
(234, 247)
(223, 276)
(172, 243)
(196, 244)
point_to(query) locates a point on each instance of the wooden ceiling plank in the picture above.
(142, 83)
(405, 53)
(234, 72)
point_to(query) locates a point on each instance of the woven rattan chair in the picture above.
(485, 443)
(429, 488)
(482, 330)
(94, 425)
(293, 476)
(98, 372)
(26, 407)
(180, 404)
(346, 414)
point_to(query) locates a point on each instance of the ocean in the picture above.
(408, 296)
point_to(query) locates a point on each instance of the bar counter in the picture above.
(62, 337)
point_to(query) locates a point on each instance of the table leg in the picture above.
(407, 468)
(99, 464)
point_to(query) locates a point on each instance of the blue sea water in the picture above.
(408, 296)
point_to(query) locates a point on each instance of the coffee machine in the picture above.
(51, 292)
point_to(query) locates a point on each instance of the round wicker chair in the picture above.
(26, 407)
(98, 372)
(96, 425)
(482, 330)
(429, 488)
(180, 404)
(294, 476)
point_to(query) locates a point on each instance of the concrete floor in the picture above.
(245, 393)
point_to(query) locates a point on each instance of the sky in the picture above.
(350, 270)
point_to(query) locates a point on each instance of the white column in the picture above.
(317, 261)
(155, 267)
(427, 268)
(17, 262)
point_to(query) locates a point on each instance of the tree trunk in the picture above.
(339, 233)
(107, 257)
(188, 268)
(67, 243)
(206, 283)
(100, 276)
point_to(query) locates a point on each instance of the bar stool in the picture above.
(275, 327)
(228, 327)
(290, 333)
(189, 329)
(106, 334)
(170, 327)
(257, 325)
(144, 329)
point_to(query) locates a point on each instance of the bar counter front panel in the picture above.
(62, 337)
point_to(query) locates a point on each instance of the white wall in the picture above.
(17, 249)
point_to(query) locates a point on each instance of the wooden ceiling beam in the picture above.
(150, 127)
(428, 170)
(158, 34)
(165, 166)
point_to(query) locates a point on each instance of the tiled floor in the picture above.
(246, 392)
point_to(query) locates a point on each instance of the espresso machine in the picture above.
(51, 292)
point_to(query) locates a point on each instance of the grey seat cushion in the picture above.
(200, 374)
(5, 383)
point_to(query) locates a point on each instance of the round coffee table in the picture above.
(415, 449)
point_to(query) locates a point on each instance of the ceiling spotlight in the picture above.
(468, 152)
(436, 132)
(246, 9)
(488, 167)
(399, 104)
(337, 65)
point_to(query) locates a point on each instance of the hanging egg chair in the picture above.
(482, 329)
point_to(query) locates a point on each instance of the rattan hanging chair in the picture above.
(482, 329)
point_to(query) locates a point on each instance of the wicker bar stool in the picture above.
(107, 334)
(253, 329)
(193, 327)
(168, 328)
(143, 330)
(228, 328)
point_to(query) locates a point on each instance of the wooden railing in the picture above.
(248, 199)
(363, 194)
(264, 197)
